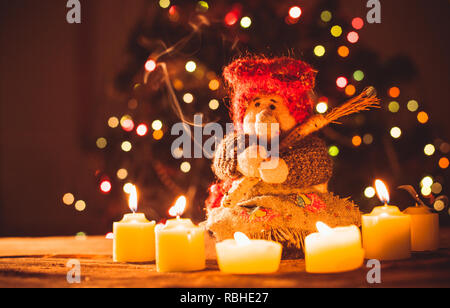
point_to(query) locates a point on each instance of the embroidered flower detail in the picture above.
(258, 214)
(310, 202)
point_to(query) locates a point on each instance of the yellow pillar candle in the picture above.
(333, 250)
(424, 228)
(245, 256)
(386, 232)
(180, 245)
(134, 236)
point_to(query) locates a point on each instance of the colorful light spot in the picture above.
(185, 167)
(295, 12)
(341, 82)
(105, 186)
(101, 143)
(336, 31)
(350, 90)
(128, 187)
(356, 141)
(394, 92)
(429, 149)
(368, 139)
(333, 151)
(126, 146)
(113, 122)
(68, 199)
(396, 132)
(142, 130)
(353, 37)
(326, 16)
(444, 163)
(322, 107)
(122, 174)
(369, 192)
(231, 18)
(150, 65)
(214, 85)
(157, 125)
(358, 23)
(358, 75)
(394, 107)
(246, 22)
(413, 105)
(188, 98)
(214, 104)
(164, 3)
(426, 181)
(436, 188)
(343, 51)
(80, 205)
(191, 66)
(158, 134)
(422, 117)
(319, 51)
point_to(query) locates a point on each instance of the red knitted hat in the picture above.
(287, 77)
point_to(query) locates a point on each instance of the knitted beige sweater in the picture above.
(283, 212)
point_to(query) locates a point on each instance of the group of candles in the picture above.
(179, 245)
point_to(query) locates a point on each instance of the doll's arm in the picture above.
(225, 162)
(309, 163)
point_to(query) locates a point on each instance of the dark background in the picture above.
(54, 76)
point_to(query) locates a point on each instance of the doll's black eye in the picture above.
(257, 104)
(272, 107)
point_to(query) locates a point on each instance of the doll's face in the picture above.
(265, 110)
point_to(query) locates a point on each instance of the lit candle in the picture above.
(180, 245)
(245, 256)
(386, 232)
(424, 228)
(333, 250)
(134, 235)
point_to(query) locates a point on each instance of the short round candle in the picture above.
(386, 231)
(242, 255)
(424, 228)
(180, 245)
(134, 236)
(333, 250)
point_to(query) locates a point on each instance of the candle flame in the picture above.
(241, 239)
(322, 227)
(382, 191)
(179, 207)
(132, 199)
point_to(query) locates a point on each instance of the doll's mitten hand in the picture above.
(274, 171)
(250, 159)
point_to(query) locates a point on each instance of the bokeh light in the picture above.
(439, 205)
(246, 22)
(68, 199)
(333, 151)
(80, 205)
(412, 105)
(113, 122)
(157, 125)
(202, 6)
(343, 51)
(394, 106)
(214, 104)
(150, 65)
(191, 66)
(426, 191)
(326, 16)
(341, 82)
(358, 75)
(158, 134)
(185, 167)
(358, 23)
(214, 85)
(322, 107)
(426, 181)
(128, 187)
(436, 188)
(369, 192)
(231, 18)
(394, 92)
(122, 174)
(105, 186)
(444, 163)
(429, 150)
(396, 132)
(101, 143)
(132, 104)
(368, 139)
(353, 37)
(126, 146)
(319, 51)
(188, 98)
(295, 12)
(336, 31)
(350, 90)
(142, 130)
(422, 117)
(164, 3)
(356, 141)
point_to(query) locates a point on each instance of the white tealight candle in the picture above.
(333, 250)
(245, 256)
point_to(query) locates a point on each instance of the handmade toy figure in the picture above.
(279, 198)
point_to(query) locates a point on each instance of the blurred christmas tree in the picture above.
(177, 53)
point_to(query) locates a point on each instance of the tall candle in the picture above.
(386, 232)
(244, 256)
(180, 245)
(424, 228)
(134, 235)
(333, 250)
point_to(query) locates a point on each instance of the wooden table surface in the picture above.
(41, 262)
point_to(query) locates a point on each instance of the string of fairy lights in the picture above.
(347, 84)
